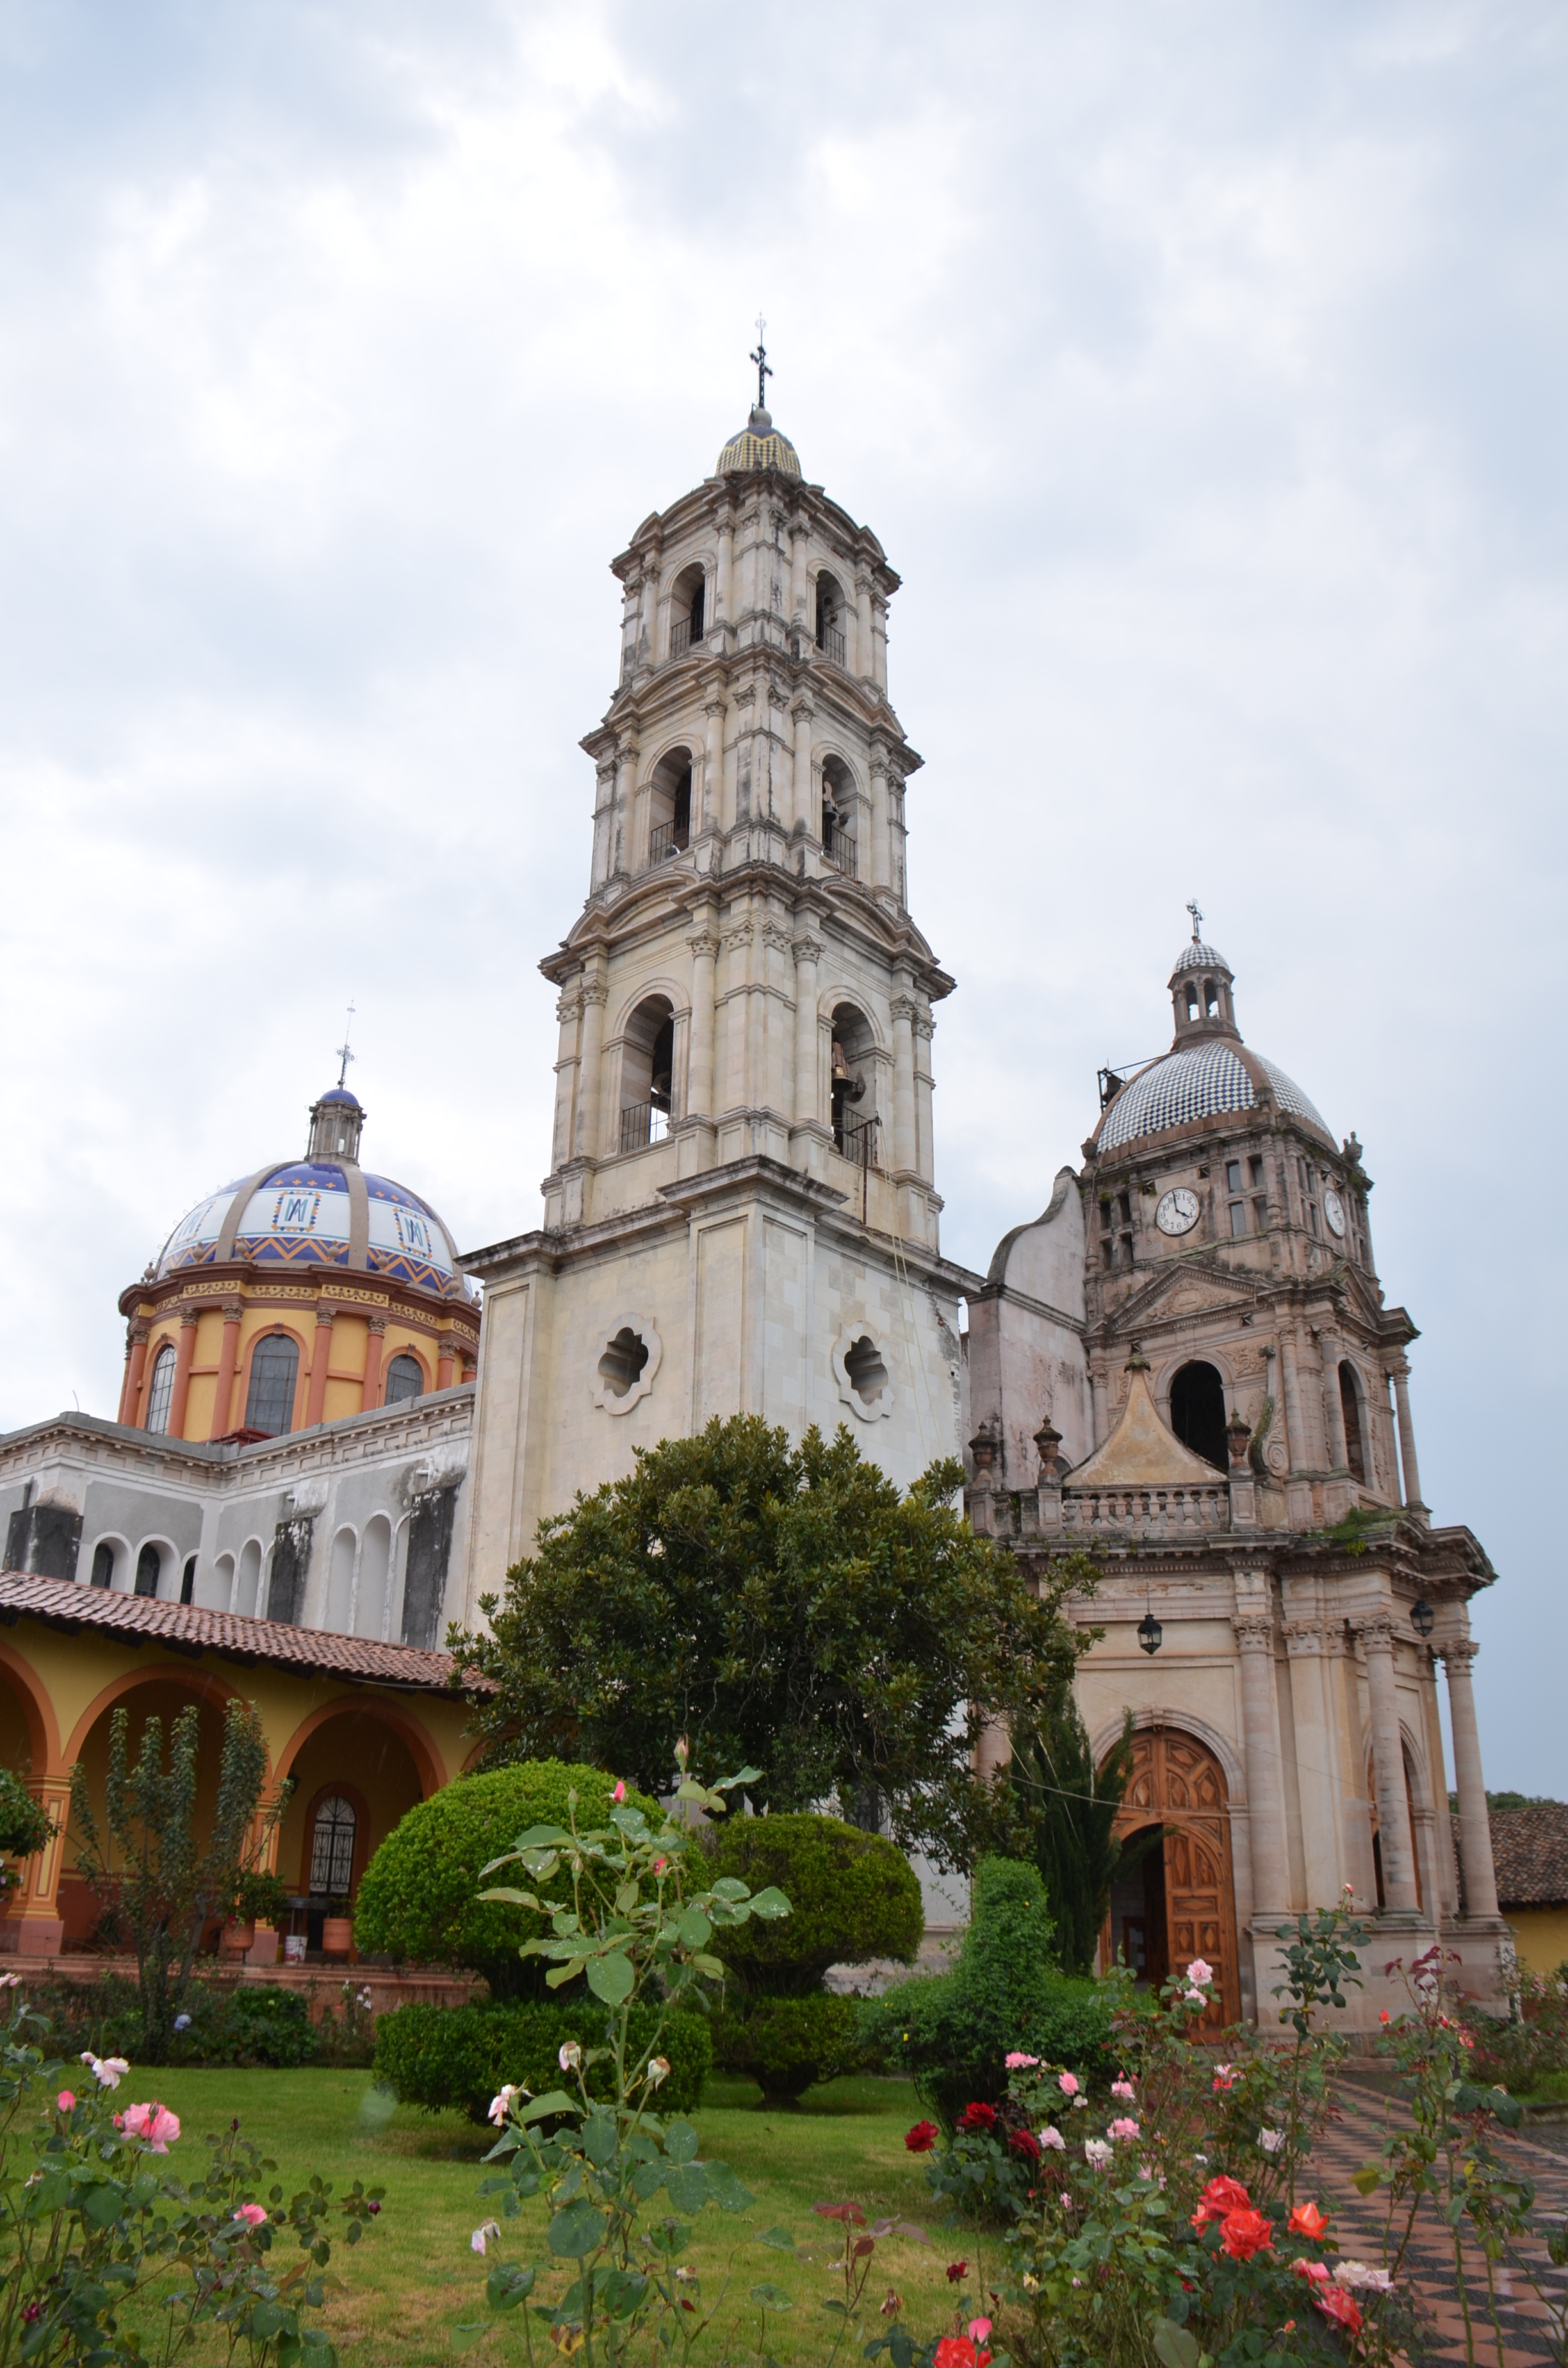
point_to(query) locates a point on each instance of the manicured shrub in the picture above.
(24, 1827)
(229, 2022)
(953, 2030)
(462, 2056)
(785, 2044)
(419, 1902)
(852, 1896)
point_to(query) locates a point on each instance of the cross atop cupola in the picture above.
(1200, 989)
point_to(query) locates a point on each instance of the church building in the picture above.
(1183, 1367)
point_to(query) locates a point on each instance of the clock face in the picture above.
(1177, 1211)
(1334, 1210)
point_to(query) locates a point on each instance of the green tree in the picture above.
(150, 1862)
(785, 1606)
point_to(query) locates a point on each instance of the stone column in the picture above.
(712, 814)
(1266, 1791)
(228, 1365)
(723, 588)
(903, 1147)
(880, 642)
(1290, 1390)
(863, 625)
(1388, 1763)
(620, 854)
(808, 1089)
(925, 1028)
(375, 1341)
(321, 1358)
(1475, 1825)
(804, 713)
(444, 1362)
(800, 543)
(593, 991)
(604, 821)
(1408, 1468)
(136, 1333)
(1333, 1405)
(881, 871)
(704, 947)
(183, 1356)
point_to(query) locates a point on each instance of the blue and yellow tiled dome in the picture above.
(759, 446)
(323, 1210)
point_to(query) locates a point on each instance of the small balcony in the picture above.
(643, 1123)
(856, 1138)
(840, 853)
(666, 838)
(680, 637)
(831, 645)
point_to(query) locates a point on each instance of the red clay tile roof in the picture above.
(1529, 1850)
(314, 1652)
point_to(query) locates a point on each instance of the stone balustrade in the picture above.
(1159, 1515)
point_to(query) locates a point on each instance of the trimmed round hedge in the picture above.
(418, 1901)
(441, 2056)
(788, 2044)
(852, 1896)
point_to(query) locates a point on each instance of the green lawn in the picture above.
(416, 2274)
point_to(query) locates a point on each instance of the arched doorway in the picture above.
(1179, 1903)
(1197, 1412)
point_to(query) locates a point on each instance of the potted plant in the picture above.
(256, 1899)
(337, 1930)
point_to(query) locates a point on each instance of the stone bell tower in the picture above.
(741, 1213)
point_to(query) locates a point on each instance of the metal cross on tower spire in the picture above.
(763, 366)
(343, 1048)
(1197, 920)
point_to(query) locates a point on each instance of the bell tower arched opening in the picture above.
(830, 632)
(854, 1088)
(839, 838)
(1355, 1433)
(647, 1075)
(669, 806)
(1197, 1412)
(688, 605)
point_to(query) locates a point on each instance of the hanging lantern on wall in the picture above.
(1423, 1619)
(1150, 1634)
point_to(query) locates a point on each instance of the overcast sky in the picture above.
(1200, 367)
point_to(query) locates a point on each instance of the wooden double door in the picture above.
(1178, 1784)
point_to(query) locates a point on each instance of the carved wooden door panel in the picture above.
(1177, 1782)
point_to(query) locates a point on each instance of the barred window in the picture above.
(404, 1380)
(274, 1370)
(331, 1848)
(161, 1391)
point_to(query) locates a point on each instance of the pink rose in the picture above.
(1124, 2128)
(152, 2123)
(1068, 2083)
(1198, 1971)
(620, 1792)
(1017, 2060)
(66, 2102)
(1053, 2137)
(1122, 2088)
(253, 2215)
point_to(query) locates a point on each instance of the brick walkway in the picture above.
(1525, 2322)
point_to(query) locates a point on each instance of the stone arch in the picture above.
(411, 1731)
(1188, 1888)
(371, 1750)
(667, 794)
(117, 1545)
(169, 1559)
(1196, 1404)
(205, 1684)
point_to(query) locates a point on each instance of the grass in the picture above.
(416, 2275)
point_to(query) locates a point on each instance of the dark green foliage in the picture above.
(24, 1827)
(953, 2030)
(418, 1901)
(852, 1896)
(1052, 1804)
(462, 2056)
(785, 2044)
(248, 2023)
(163, 1882)
(783, 1606)
(260, 1898)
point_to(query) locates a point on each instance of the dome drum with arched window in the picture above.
(304, 1291)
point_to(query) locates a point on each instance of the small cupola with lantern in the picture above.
(1200, 990)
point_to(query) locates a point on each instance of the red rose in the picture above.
(1335, 2303)
(958, 2352)
(1308, 2221)
(1024, 2142)
(922, 2138)
(1243, 2234)
(978, 2117)
(1220, 2195)
(957, 2272)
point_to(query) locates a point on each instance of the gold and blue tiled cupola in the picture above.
(759, 446)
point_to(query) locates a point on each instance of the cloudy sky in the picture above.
(1200, 367)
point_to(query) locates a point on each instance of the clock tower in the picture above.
(741, 1213)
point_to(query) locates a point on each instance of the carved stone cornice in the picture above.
(738, 935)
(1305, 1639)
(568, 1006)
(775, 934)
